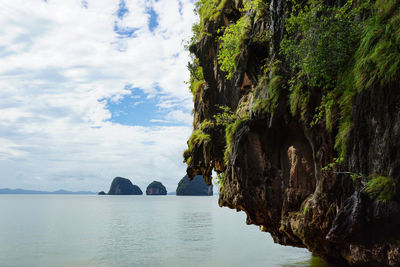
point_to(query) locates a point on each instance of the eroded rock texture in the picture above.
(275, 171)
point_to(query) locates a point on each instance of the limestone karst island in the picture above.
(156, 188)
(297, 110)
(123, 186)
(186, 187)
(194, 187)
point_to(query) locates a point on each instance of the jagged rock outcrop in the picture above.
(313, 159)
(123, 186)
(156, 188)
(194, 187)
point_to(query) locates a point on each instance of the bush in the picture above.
(207, 10)
(320, 45)
(268, 104)
(381, 188)
(378, 57)
(196, 76)
(329, 38)
(231, 44)
(199, 136)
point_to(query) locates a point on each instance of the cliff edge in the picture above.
(297, 109)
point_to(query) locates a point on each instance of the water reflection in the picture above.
(314, 261)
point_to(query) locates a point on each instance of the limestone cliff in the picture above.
(297, 108)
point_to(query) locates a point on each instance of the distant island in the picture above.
(196, 187)
(123, 186)
(19, 191)
(156, 188)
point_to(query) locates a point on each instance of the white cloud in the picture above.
(60, 63)
(178, 115)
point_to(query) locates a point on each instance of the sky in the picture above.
(91, 90)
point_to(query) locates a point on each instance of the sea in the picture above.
(92, 230)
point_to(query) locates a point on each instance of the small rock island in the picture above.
(102, 193)
(156, 188)
(195, 187)
(123, 186)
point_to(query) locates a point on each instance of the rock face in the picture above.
(317, 165)
(101, 193)
(123, 186)
(156, 188)
(195, 187)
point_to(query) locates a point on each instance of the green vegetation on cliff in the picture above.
(231, 45)
(377, 58)
(196, 76)
(230, 132)
(382, 188)
(231, 122)
(342, 51)
(198, 138)
(333, 52)
(208, 10)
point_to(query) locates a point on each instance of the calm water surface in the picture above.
(59, 230)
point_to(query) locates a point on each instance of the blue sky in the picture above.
(134, 109)
(137, 108)
(91, 90)
(153, 22)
